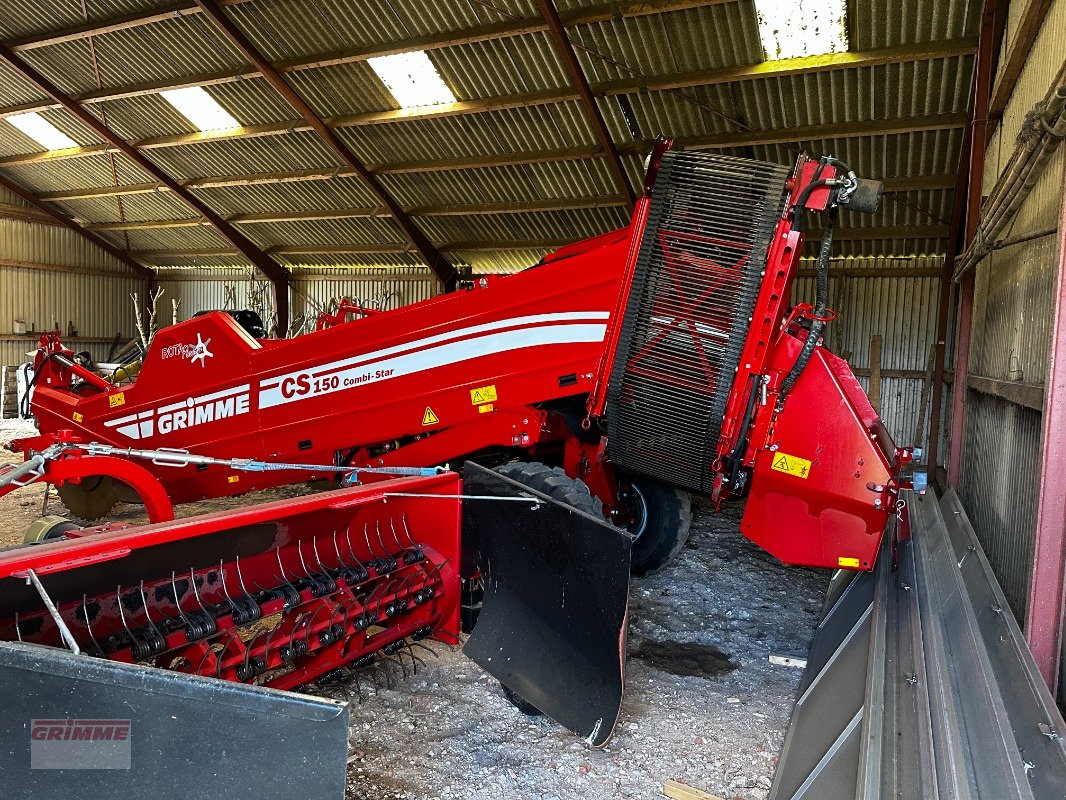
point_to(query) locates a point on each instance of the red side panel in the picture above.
(819, 487)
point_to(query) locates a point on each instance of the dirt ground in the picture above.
(703, 703)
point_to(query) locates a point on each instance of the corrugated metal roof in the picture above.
(624, 46)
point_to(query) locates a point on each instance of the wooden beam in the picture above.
(564, 49)
(426, 250)
(271, 268)
(480, 33)
(443, 210)
(584, 16)
(1026, 395)
(1021, 44)
(860, 272)
(541, 97)
(954, 48)
(875, 233)
(61, 219)
(24, 214)
(12, 263)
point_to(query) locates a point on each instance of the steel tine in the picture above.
(369, 547)
(225, 590)
(337, 550)
(121, 612)
(208, 652)
(348, 538)
(177, 602)
(407, 531)
(300, 553)
(240, 578)
(88, 625)
(148, 616)
(266, 644)
(377, 528)
(427, 648)
(318, 558)
(395, 538)
(415, 660)
(196, 593)
(399, 661)
(18, 630)
(222, 652)
(284, 577)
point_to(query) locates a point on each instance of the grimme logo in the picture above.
(80, 743)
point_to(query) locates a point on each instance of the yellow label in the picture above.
(233, 479)
(793, 465)
(486, 394)
(848, 563)
(485, 409)
(429, 418)
(117, 399)
(77, 417)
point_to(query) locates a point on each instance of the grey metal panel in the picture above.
(933, 683)
(188, 733)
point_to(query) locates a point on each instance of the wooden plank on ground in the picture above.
(682, 791)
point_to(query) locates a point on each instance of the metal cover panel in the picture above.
(189, 735)
(697, 277)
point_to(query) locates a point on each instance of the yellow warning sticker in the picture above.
(77, 417)
(486, 394)
(233, 479)
(117, 399)
(429, 418)
(485, 409)
(793, 465)
(847, 562)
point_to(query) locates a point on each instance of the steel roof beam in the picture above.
(271, 268)
(564, 49)
(427, 251)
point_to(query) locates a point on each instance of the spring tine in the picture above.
(88, 625)
(318, 558)
(348, 538)
(425, 647)
(208, 652)
(147, 616)
(369, 547)
(225, 590)
(383, 664)
(284, 577)
(18, 630)
(196, 594)
(384, 549)
(266, 644)
(240, 578)
(177, 602)
(121, 613)
(300, 553)
(399, 661)
(337, 550)
(406, 530)
(395, 538)
(218, 657)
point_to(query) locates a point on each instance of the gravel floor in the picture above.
(703, 704)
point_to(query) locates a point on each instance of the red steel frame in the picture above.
(1047, 593)
(518, 364)
(286, 548)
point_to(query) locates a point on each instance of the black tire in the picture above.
(521, 703)
(554, 482)
(663, 517)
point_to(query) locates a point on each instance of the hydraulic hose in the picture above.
(821, 306)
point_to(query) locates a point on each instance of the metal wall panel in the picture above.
(903, 311)
(98, 305)
(1013, 306)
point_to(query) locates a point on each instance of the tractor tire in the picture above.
(663, 519)
(555, 483)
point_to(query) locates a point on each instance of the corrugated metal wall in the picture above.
(1013, 304)
(309, 293)
(97, 301)
(903, 311)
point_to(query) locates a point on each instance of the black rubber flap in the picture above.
(154, 733)
(553, 624)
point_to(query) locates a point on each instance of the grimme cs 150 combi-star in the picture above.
(618, 374)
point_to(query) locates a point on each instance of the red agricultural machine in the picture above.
(608, 381)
